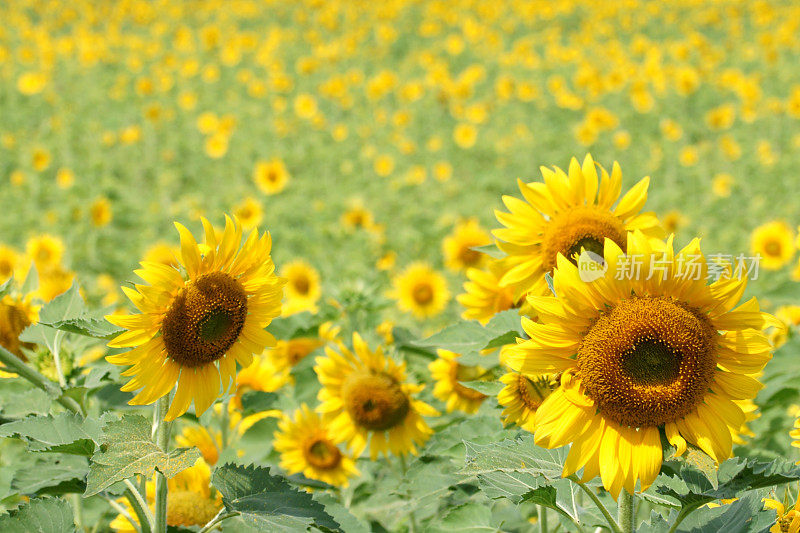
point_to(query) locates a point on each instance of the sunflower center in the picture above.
(468, 256)
(188, 508)
(773, 248)
(459, 373)
(205, 319)
(375, 401)
(533, 392)
(648, 360)
(301, 284)
(582, 226)
(422, 294)
(321, 453)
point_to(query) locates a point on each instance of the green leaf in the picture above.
(25, 402)
(68, 305)
(88, 327)
(491, 250)
(266, 502)
(258, 401)
(6, 286)
(690, 487)
(45, 515)
(127, 450)
(518, 455)
(341, 514)
(745, 515)
(466, 518)
(65, 433)
(489, 388)
(52, 474)
(292, 326)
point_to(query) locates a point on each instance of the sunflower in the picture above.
(562, 215)
(208, 441)
(484, 297)
(10, 263)
(449, 374)
(192, 501)
(307, 445)
(303, 287)
(522, 396)
(195, 328)
(271, 176)
(357, 217)
(458, 246)
(774, 242)
(638, 356)
(16, 314)
(287, 353)
(260, 375)
(249, 213)
(420, 290)
(46, 251)
(788, 521)
(367, 402)
(164, 254)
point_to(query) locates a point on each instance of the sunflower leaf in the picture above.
(267, 502)
(466, 518)
(64, 432)
(518, 455)
(491, 250)
(87, 326)
(43, 515)
(745, 515)
(127, 450)
(52, 474)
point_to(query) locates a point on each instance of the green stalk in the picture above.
(626, 506)
(18, 366)
(541, 512)
(602, 508)
(161, 435)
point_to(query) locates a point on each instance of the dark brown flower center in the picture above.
(375, 401)
(205, 319)
(322, 454)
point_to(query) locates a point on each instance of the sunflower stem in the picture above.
(18, 366)
(602, 508)
(626, 506)
(161, 434)
(139, 504)
(541, 512)
(214, 522)
(412, 520)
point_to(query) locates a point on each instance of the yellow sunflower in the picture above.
(368, 403)
(303, 287)
(192, 500)
(271, 176)
(458, 246)
(420, 290)
(16, 314)
(10, 263)
(249, 213)
(788, 521)
(46, 251)
(774, 242)
(562, 215)
(208, 441)
(287, 353)
(638, 355)
(484, 297)
(260, 375)
(357, 217)
(307, 445)
(193, 329)
(448, 375)
(522, 396)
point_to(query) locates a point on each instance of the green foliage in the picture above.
(52, 474)
(41, 515)
(266, 502)
(127, 449)
(64, 432)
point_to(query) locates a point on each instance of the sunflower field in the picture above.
(399, 266)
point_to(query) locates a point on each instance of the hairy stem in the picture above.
(602, 508)
(214, 522)
(18, 366)
(161, 434)
(626, 507)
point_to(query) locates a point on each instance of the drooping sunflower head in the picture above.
(523, 395)
(307, 445)
(420, 290)
(564, 214)
(483, 295)
(458, 247)
(302, 288)
(196, 323)
(449, 374)
(640, 352)
(774, 242)
(366, 399)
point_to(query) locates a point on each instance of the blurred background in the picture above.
(360, 134)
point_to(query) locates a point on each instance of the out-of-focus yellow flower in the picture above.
(40, 159)
(721, 185)
(31, 83)
(65, 178)
(774, 242)
(305, 106)
(249, 213)
(271, 177)
(100, 212)
(465, 135)
(384, 165)
(458, 247)
(216, 146)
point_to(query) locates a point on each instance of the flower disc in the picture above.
(375, 401)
